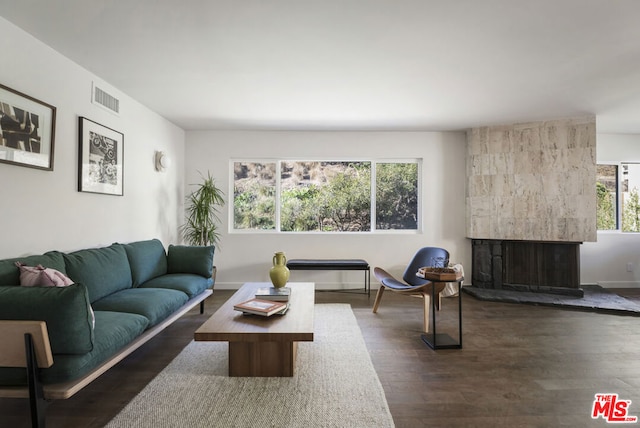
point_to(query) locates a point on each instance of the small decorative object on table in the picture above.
(439, 273)
(281, 294)
(279, 273)
(265, 308)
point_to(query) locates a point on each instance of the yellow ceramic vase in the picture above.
(279, 273)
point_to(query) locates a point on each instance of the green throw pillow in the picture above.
(147, 259)
(191, 259)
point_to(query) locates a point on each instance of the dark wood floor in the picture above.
(521, 366)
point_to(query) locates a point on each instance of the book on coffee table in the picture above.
(272, 293)
(265, 308)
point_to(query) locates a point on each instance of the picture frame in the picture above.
(100, 159)
(27, 130)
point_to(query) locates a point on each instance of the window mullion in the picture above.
(278, 193)
(374, 191)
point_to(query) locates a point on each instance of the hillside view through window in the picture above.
(326, 196)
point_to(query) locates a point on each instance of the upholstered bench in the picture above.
(334, 264)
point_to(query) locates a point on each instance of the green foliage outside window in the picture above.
(254, 208)
(606, 196)
(606, 210)
(631, 212)
(397, 196)
(325, 196)
(254, 196)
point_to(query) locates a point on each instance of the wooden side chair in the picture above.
(414, 285)
(26, 344)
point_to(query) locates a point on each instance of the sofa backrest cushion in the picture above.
(191, 259)
(147, 259)
(10, 274)
(103, 270)
(66, 311)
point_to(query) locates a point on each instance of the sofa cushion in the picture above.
(66, 311)
(103, 270)
(188, 283)
(153, 303)
(191, 259)
(10, 274)
(113, 331)
(147, 259)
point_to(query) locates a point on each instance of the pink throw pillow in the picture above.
(40, 276)
(31, 276)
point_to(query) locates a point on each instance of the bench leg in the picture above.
(37, 402)
(367, 282)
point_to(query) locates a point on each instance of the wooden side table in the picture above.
(437, 340)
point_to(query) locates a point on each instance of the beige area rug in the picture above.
(335, 385)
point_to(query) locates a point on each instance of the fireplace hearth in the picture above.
(534, 266)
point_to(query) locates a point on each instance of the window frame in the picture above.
(619, 203)
(619, 195)
(278, 195)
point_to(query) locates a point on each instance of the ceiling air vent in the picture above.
(105, 100)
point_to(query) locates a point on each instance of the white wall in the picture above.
(247, 256)
(42, 210)
(605, 261)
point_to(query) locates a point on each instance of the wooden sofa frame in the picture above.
(26, 344)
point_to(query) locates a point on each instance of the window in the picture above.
(618, 197)
(326, 196)
(606, 197)
(629, 194)
(396, 196)
(254, 195)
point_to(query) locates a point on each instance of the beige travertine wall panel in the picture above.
(532, 181)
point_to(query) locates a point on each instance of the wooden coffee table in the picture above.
(262, 346)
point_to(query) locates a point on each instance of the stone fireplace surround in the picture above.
(530, 203)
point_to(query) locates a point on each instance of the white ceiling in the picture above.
(355, 64)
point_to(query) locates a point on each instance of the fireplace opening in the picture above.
(536, 266)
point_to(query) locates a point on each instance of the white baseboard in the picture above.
(619, 284)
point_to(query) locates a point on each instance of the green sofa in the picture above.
(122, 296)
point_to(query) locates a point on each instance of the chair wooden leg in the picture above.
(426, 300)
(376, 303)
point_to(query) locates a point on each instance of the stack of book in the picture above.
(265, 308)
(272, 293)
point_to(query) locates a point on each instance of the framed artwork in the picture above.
(27, 130)
(101, 159)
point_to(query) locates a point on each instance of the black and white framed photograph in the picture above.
(27, 130)
(101, 159)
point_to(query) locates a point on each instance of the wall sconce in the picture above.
(163, 161)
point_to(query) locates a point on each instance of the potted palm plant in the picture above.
(202, 221)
